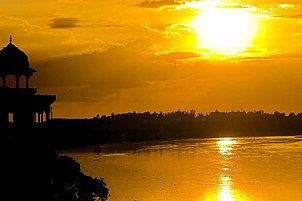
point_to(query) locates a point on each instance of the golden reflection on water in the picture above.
(225, 191)
(224, 169)
(225, 148)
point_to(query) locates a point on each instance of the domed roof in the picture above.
(14, 61)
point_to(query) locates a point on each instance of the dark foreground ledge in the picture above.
(32, 170)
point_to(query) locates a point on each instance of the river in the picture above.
(208, 169)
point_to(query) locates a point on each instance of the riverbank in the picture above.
(139, 127)
(81, 137)
(34, 171)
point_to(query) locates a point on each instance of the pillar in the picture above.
(4, 81)
(34, 117)
(27, 82)
(47, 115)
(42, 117)
(51, 113)
(39, 117)
(17, 81)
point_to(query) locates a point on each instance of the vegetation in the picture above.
(178, 124)
(34, 171)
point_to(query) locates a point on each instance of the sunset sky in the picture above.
(104, 56)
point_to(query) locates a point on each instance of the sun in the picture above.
(225, 30)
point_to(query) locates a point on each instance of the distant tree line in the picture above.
(147, 126)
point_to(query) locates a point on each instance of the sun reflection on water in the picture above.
(225, 190)
(225, 148)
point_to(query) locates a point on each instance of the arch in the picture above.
(17, 80)
(23, 81)
(10, 81)
(11, 117)
(27, 78)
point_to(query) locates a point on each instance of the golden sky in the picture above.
(104, 56)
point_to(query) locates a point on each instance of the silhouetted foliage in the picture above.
(67, 182)
(146, 126)
(34, 171)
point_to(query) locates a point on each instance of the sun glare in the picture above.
(224, 30)
(225, 193)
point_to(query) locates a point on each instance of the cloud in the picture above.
(170, 31)
(158, 3)
(177, 55)
(234, 6)
(286, 6)
(298, 15)
(64, 23)
(289, 16)
(21, 22)
(273, 57)
(125, 79)
(113, 25)
(95, 76)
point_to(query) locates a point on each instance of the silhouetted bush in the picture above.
(67, 182)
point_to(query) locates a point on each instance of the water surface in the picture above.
(213, 169)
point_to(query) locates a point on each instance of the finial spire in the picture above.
(10, 39)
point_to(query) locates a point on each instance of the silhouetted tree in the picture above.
(135, 126)
(69, 183)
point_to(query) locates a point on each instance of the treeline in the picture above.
(173, 125)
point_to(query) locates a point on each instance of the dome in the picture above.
(14, 61)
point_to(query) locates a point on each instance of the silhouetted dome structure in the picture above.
(21, 102)
(14, 61)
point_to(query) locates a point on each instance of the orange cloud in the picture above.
(64, 23)
(158, 3)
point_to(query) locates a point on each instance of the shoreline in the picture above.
(163, 141)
